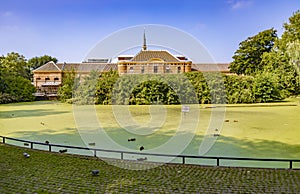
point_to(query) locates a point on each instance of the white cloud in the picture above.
(239, 4)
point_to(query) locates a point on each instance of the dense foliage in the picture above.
(153, 89)
(16, 76)
(188, 88)
(69, 84)
(15, 84)
(273, 62)
(247, 59)
(283, 61)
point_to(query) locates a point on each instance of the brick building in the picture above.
(48, 78)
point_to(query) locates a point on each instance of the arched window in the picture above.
(56, 79)
(155, 69)
(168, 69)
(130, 69)
(178, 69)
(142, 69)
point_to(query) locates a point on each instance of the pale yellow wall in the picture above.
(162, 68)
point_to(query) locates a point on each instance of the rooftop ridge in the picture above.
(47, 64)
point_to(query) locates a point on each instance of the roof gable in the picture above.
(48, 67)
(151, 55)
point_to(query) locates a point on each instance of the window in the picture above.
(47, 79)
(155, 69)
(142, 69)
(38, 79)
(167, 69)
(56, 79)
(131, 70)
(178, 69)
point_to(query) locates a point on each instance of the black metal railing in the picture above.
(218, 159)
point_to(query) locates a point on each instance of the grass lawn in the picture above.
(45, 172)
(255, 130)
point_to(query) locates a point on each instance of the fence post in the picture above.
(122, 156)
(218, 161)
(95, 153)
(291, 164)
(3, 140)
(31, 145)
(183, 160)
(49, 148)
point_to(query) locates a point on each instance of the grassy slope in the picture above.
(46, 172)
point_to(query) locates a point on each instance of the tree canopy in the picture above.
(15, 84)
(272, 59)
(283, 61)
(291, 31)
(247, 58)
(16, 76)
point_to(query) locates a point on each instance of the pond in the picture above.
(253, 131)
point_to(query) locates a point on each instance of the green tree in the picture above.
(266, 87)
(247, 59)
(277, 63)
(291, 31)
(14, 64)
(15, 85)
(86, 90)
(69, 84)
(283, 60)
(293, 51)
(104, 87)
(239, 89)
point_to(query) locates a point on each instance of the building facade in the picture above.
(153, 62)
(48, 78)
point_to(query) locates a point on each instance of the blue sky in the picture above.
(68, 29)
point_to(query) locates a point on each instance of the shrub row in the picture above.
(188, 88)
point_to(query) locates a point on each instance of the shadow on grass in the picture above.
(69, 136)
(34, 103)
(233, 147)
(224, 146)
